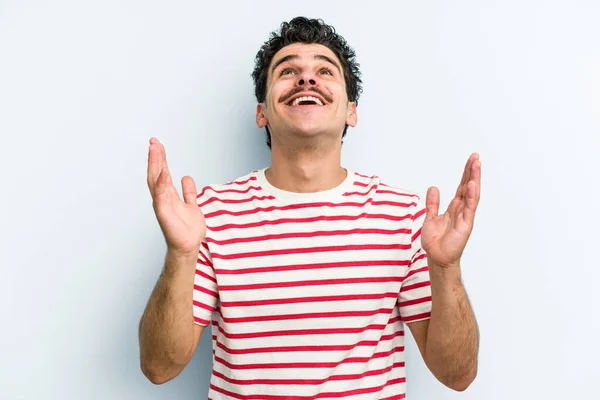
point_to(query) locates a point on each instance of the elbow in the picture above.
(159, 373)
(153, 374)
(157, 379)
(461, 382)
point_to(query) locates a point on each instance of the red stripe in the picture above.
(414, 301)
(393, 203)
(304, 250)
(310, 299)
(242, 191)
(318, 396)
(293, 267)
(301, 332)
(346, 377)
(416, 317)
(299, 206)
(419, 213)
(285, 317)
(416, 270)
(415, 286)
(203, 262)
(294, 235)
(310, 365)
(395, 397)
(202, 305)
(372, 188)
(383, 191)
(205, 275)
(419, 257)
(203, 290)
(364, 176)
(313, 282)
(203, 259)
(282, 221)
(416, 235)
(252, 178)
(390, 321)
(236, 201)
(299, 349)
(201, 321)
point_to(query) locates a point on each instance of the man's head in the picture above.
(307, 81)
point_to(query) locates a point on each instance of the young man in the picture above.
(307, 271)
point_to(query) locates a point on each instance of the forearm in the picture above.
(166, 331)
(453, 336)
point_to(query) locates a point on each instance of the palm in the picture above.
(444, 236)
(182, 222)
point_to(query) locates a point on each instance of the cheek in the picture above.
(274, 94)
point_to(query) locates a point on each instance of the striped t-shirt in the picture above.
(308, 293)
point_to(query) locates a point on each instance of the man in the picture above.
(307, 271)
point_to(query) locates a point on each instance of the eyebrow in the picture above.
(329, 60)
(295, 56)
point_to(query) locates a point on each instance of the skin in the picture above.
(449, 340)
(306, 157)
(306, 141)
(167, 335)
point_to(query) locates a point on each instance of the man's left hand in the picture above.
(445, 236)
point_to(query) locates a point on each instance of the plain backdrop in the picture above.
(85, 84)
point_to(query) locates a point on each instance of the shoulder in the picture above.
(239, 187)
(384, 189)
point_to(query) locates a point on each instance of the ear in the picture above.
(261, 115)
(352, 116)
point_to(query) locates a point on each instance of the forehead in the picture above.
(305, 52)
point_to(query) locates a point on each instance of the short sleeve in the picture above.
(205, 293)
(414, 300)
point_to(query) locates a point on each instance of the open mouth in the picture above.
(305, 101)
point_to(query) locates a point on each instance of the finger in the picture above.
(471, 202)
(154, 166)
(466, 177)
(189, 190)
(463, 180)
(432, 202)
(466, 171)
(161, 183)
(455, 207)
(164, 161)
(476, 172)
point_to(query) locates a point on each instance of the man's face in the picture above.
(306, 94)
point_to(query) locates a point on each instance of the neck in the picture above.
(305, 170)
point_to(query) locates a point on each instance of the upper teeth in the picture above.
(306, 98)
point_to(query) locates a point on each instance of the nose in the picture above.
(307, 76)
(311, 81)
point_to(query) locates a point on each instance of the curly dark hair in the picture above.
(309, 31)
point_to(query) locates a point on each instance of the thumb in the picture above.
(189, 190)
(432, 202)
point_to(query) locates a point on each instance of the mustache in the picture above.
(293, 92)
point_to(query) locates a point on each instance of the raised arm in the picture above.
(167, 334)
(449, 340)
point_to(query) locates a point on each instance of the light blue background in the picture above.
(84, 85)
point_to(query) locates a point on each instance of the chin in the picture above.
(309, 132)
(310, 128)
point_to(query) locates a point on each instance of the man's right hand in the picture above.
(182, 222)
